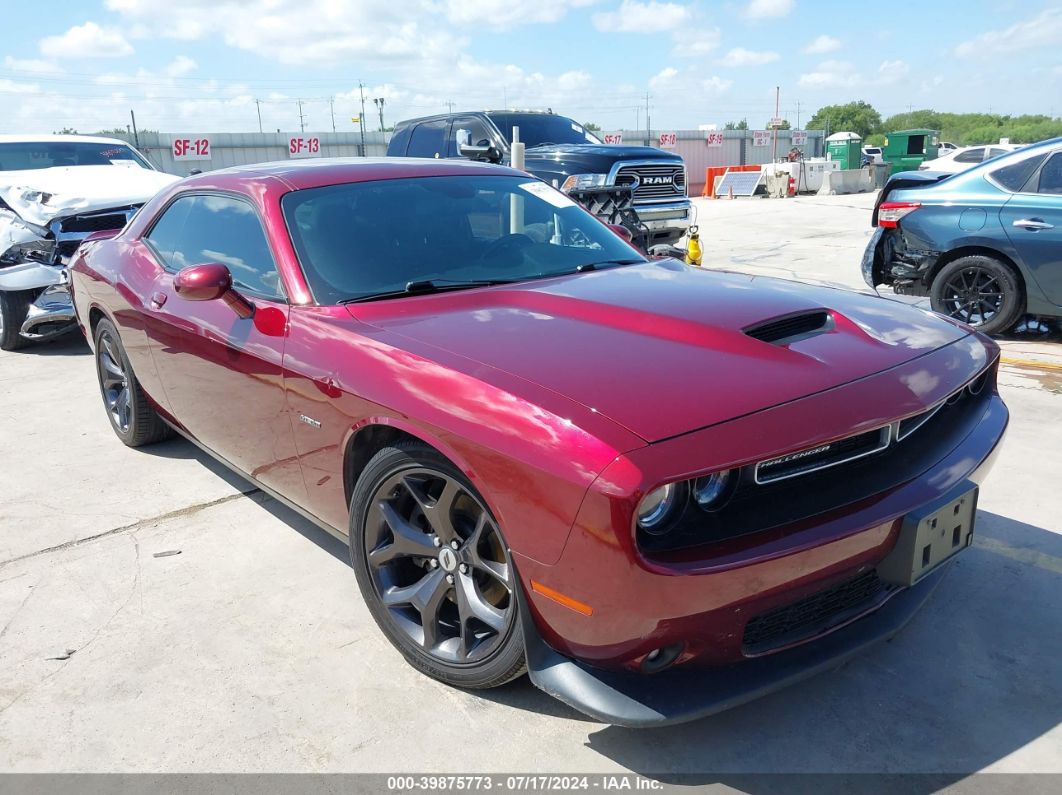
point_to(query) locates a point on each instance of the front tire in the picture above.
(14, 306)
(133, 419)
(980, 291)
(434, 569)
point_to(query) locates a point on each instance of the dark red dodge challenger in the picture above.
(662, 490)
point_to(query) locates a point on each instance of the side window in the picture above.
(994, 153)
(427, 139)
(167, 230)
(971, 156)
(227, 230)
(1051, 176)
(1014, 176)
(480, 133)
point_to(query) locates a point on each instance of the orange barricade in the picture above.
(712, 172)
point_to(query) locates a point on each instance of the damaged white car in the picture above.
(56, 190)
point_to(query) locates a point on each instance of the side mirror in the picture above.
(466, 148)
(209, 282)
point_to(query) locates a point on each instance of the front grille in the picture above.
(94, 222)
(826, 455)
(813, 614)
(674, 186)
(787, 329)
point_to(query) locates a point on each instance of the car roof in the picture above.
(42, 138)
(318, 172)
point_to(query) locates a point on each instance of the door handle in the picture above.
(157, 300)
(1033, 224)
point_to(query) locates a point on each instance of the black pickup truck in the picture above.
(561, 152)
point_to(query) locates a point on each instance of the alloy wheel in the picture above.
(439, 566)
(114, 382)
(972, 295)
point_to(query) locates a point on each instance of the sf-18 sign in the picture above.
(761, 137)
(800, 137)
(304, 147)
(612, 138)
(667, 140)
(713, 138)
(191, 149)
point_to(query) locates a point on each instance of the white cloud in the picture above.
(831, 74)
(822, 45)
(505, 14)
(891, 72)
(32, 66)
(739, 56)
(1044, 30)
(763, 9)
(11, 87)
(714, 86)
(664, 78)
(180, 66)
(693, 42)
(637, 17)
(86, 41)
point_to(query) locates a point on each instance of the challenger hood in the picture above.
(42, 195)
(662, 348)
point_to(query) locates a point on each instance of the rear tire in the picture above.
(980, 291)
(133, 419)
(434, 569)
(14, 306)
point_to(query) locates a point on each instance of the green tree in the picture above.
(592, 127)
(736, 125)
(67, 131)
(858, 117)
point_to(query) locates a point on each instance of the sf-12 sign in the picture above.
(667, 140)
(612, 138)
(191, 149)
(299, 146)
(714, 138)
(761, 137)
(800, 137)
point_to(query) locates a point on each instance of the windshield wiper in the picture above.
(606, 263)
(426, 287)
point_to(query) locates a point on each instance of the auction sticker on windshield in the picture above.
(545, 192)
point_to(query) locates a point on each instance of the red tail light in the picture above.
(889, 213)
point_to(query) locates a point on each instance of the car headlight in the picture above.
(580, 181)
(712, 490)
(658, 506)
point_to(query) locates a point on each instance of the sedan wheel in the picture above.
(132, 416)
(434, 568)
(979, 291)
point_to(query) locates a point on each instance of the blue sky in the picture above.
(199, 65)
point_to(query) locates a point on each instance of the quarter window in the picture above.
(1051, 176)
(1014, 176)
(209, 228)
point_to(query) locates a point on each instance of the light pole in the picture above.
(379, 102)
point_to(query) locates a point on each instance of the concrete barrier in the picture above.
(852, 180)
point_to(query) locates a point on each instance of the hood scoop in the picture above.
(791, 328)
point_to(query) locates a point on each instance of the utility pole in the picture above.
(798, 114)
(450, 107)
(361, 118)
(332, 110)
(136, 137)
(774, 125)
(302, 119)
(379, 102)
(648, 126)
(258, 107)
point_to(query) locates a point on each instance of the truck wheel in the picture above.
(980, 291)
(13, 309)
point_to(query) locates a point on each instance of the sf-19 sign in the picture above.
(304, 147)
(713, 138)
(191, 149)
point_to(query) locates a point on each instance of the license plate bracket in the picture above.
(931, 535)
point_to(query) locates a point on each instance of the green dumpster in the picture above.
(845, 148)
(906, 150)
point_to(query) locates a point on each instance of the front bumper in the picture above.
(681, 694)
(665, 217)
(51, 315)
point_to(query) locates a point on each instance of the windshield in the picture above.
(368, 238)
(29, 155)
(538, 129)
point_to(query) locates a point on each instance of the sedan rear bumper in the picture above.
(683, 694)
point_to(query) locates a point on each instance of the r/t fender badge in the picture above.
(310, 421)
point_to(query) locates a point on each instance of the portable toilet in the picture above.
(844, 148)
(906, 150)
